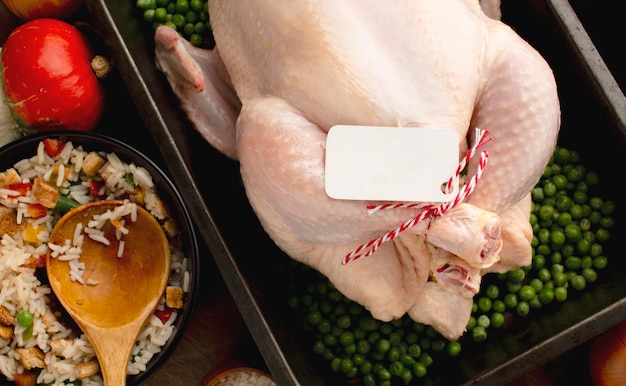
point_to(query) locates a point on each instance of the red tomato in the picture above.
(34, 9)
(36, 210)
(21, 187)
(35, 261)
(25, 379)
(48, 78)
(94, 188)
(164, 314)
(54, 146)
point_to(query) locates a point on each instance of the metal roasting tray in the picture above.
(593, 123)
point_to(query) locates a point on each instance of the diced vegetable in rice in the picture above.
(52, 346)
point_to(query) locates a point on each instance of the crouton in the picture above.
(92, 163)
(49, 320)
(45, 194)
(6, 332)
(5, 316)
(9, 177)
(170, 227)
(9, 225)
(86, 369)
(57, 346)
(174, 297)
(156, 206)
(31, 357)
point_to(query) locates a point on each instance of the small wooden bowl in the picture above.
(215, 376)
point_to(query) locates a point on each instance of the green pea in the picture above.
(600, 262)
(497, 319)
(483, 321)
(160, 14)
(526, 292)
(516, 275)
(148, 15)
(536, 283)
(324, 326)
(544, 275)
(583, 246)
(562, 155)
(543, 250)
(590, 275)
(414, 350)
(146, 4)
(425, 358)
(557, 237)
(563, 204)
(343, 321)
(572, 232)
(546, 295)
(393, 354)
(196, 5)
(578, 282)
(538, 194)
(182, 6)
(510, 300)
(498, 306)
(346, 338)
(24, 318)
(546, 212)
(559, 180)
(384, 374)
(314, 318)
(479, 334)
(383, 345)
(523, 308)
(453, 348)
(607, 222)
(492, 291)
(419, 369)
(602, 235)
(559, 278)
(607, 208)
(560, 294)
(556, 257)
(484, 304)
(573, 263)
(580, 197)
(577, 211)
(319, 347)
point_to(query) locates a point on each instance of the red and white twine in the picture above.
(430, 210)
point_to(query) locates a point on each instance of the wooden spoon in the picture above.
(112, 312)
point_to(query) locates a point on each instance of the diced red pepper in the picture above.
(35, 261)
(21, 187)
(25, 379)
(94, 188)
(36, 210)
(54, 146)
(164, 314)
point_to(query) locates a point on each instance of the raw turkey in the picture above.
(283, 73)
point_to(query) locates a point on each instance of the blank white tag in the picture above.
(391, 163)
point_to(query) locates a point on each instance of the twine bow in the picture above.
(430, 210)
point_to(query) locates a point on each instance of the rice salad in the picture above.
(39, 342)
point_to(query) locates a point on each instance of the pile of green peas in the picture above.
(190, 18)
(570, 226)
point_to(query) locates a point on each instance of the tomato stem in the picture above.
(101, 66)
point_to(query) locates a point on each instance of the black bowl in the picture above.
(26, 147)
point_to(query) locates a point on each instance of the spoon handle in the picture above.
(113, 348)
